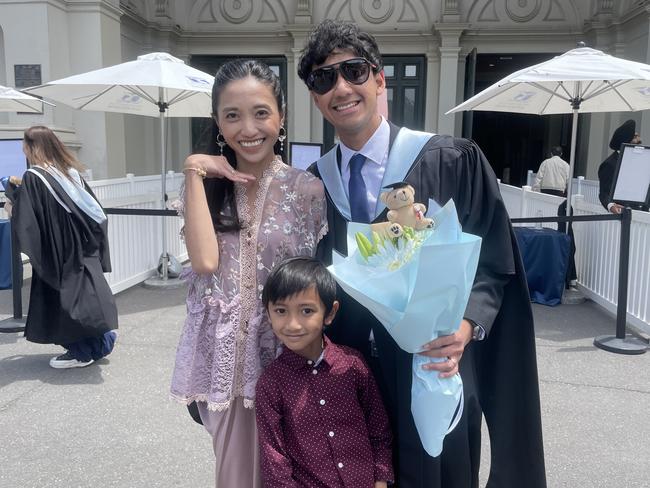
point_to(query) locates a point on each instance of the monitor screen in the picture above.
(632, 182)
(12, 160)
(303, 154)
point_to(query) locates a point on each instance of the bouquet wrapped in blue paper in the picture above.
(417, 285)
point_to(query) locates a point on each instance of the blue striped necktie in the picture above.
(357, 191)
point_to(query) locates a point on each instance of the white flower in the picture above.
(287, 228)
(286, 208)
(292, 196)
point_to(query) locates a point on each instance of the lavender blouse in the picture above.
(227, 339)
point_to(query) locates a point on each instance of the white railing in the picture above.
(597, 250)
(587, 188)
(135, 241)
(131, 185)
(527, 203)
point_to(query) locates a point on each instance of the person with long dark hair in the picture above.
(62, 227)
(245, 210)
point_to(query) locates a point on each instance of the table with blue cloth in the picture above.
(545, 253)
(5, 254)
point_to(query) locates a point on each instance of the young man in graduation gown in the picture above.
(494, 348)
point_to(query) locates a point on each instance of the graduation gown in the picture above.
(499, 373)
(606, 172)
(70, 299)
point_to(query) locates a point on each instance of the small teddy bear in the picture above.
(402, 211)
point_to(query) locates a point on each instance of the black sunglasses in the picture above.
(355, 71)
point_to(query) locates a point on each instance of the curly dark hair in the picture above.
(335, 34)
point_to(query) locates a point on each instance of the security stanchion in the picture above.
(622, 343)
(17, 322)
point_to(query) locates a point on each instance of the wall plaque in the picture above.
(26, 75)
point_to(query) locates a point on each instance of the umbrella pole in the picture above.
(162, 106)
(574, 135)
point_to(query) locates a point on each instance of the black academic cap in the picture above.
(623, 135)
(395, 186)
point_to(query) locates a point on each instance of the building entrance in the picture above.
(513, 143)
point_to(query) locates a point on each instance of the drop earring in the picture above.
(221, 143)
(281, 137)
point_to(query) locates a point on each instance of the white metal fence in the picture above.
(135, 241)
(597, 249)
(587, 188)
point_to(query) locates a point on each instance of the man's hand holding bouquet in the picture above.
(415, 275)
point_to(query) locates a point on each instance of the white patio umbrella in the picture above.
(580, 80)
(155, 85)
(14, 101)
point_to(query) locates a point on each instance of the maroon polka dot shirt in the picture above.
(322, 425)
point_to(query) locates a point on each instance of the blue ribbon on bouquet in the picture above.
(423, 299)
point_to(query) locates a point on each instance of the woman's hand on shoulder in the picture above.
(214, 167)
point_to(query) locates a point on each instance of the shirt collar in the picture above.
(375, 148)
(296, 361)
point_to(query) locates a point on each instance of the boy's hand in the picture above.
(381, 484)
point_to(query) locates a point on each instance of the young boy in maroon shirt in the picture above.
(320, 418)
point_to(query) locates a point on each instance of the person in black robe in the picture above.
(494, 348)
(625, 134)
(61, 226)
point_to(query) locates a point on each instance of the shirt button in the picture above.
(340, 465)
(322, 402)
(331, 434)
(310, 362)
(314, 371)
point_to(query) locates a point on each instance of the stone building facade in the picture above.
(437, 52)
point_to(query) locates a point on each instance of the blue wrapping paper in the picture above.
(422, 300)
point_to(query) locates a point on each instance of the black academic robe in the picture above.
(69, 299)
(606, 172)
(499, 374)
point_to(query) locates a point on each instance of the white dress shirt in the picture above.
(553, 174)
(376, 152)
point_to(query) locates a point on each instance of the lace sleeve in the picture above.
(316, 207)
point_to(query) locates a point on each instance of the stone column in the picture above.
(448, 86)
(298, 99)
(95, 42)
(432, 91)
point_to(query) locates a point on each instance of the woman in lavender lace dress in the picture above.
(244, 212)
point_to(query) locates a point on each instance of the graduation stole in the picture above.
(401, 156)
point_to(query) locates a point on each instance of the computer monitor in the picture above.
(12, 160)
(303, 154)
(632, 182)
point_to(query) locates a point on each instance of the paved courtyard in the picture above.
(112, 424)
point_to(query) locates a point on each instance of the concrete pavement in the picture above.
(112, 424)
